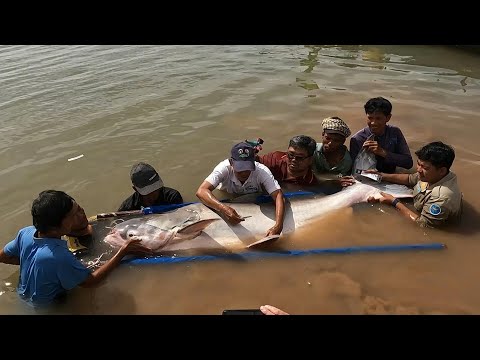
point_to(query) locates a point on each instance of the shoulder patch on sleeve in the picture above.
(435, 209)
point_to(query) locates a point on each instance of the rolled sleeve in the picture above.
(413, 179)
(12, 248)
(435, 212)
(218, 174)
(268, 181)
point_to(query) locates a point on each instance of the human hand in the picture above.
(272, 310)
(384, 198)
(134, 246)
(231, 215)
(274, 230)
(347, 181)
(374, 147)
(372, 171)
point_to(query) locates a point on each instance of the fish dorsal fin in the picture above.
(196, 227)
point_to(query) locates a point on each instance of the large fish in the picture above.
(197, 227)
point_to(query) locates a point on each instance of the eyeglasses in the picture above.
(296, 157)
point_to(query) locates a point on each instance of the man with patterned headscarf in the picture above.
(331, 155)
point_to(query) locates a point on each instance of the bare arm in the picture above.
(388, 199)
(401, 179)
(277, 196)
(406, 212)
(204, 193)
(132, 246)
(7, 259)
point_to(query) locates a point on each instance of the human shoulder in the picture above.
(444, 197)
(27, 230)
(442, 192)
(261, 168)
(272, 159)
(394, 130)
(26, 234)
(171, 195)
(53, 252)
(264, 176)
(448, 188)
(361, 134)
(346, 154)
(413, 179)
(222, 166)
(393, 127)
(23, 238)
(130, 203)
(220, 173)
(277, 154)
(170, 190)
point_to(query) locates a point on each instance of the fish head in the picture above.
(150, 235)
(115, 239)
(123, 231)
(129, 231)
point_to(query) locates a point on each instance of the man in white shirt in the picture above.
(241, 174)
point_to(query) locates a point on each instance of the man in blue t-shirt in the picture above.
(47, 268)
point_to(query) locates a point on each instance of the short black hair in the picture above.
(438, 154)
(50, 208)
(378, 104)
(303, 142)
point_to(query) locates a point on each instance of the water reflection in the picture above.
(310, 62)
(312, 58)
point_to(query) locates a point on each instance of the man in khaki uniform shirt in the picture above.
(436, 195)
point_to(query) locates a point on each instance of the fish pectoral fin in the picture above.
(196, 228)
(264, 240)
(189, 236)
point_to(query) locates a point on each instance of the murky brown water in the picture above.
(182, 107)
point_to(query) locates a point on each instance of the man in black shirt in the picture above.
(149, 189)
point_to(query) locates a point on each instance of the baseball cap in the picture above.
(243, 157)
(145, 178)
(336, 125)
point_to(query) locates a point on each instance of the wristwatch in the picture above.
(395, 202)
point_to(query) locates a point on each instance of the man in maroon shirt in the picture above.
(295, 165)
